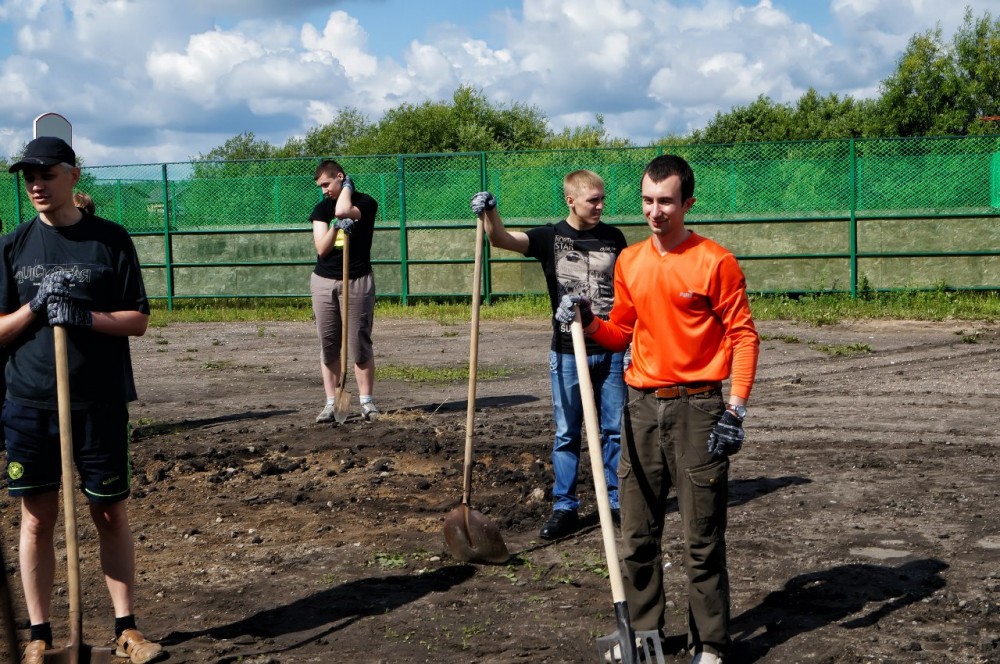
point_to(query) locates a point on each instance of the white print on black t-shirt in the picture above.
(35, 273)
(585, 267)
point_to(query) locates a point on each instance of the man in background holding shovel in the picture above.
(71, 269)
(578, 258)
(680, 299)
(355, 213)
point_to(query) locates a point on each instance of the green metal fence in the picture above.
(812, 216)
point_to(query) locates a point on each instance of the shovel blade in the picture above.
(342, 406)
(471, 537)
(79, 654)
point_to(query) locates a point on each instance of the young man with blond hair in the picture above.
(578, 258)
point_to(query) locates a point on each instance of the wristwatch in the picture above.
(739, 411)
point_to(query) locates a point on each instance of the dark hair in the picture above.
(328, 167)
(666, 165)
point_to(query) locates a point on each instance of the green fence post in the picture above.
(854, 219)
(404, 282)
(167, 253)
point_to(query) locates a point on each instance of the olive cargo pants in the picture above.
(664, 446)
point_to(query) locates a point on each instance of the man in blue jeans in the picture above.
(578, 257)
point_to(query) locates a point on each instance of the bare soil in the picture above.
(863, 515)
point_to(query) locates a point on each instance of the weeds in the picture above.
(841, 350)
(419, 374)
(388, 561)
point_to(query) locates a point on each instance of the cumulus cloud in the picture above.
(149, 81)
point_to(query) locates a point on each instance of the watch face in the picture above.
(740, 411)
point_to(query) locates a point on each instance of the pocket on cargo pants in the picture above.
(708, 498)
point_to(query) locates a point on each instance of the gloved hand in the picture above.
(483, 201)
(727, 438)
(67, 311)
(566, 311)
(54, 284)
(345, 225)
(348, 183)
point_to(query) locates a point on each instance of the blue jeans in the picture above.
(567, 408)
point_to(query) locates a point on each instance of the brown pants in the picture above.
(327, 298)
(663, 446)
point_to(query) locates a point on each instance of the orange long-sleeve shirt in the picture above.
(686, 314)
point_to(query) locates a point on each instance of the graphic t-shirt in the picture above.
(101, 256)
(577, 263)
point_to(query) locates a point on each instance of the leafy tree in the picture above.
(942, 88)
(761, 120)
(586, 136)
(333, 138)
(239, 147)
(469, 123)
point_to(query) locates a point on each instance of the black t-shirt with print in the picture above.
(101, 255)
(577, 263)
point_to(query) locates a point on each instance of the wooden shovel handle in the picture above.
(345, 302)
(590, 421)
(69, 504)
(470, 411)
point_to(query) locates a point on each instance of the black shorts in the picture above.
(100, 450)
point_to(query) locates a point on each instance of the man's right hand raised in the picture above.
(482, 202)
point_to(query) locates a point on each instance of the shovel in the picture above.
(471, 537)
(342, 406)
(75, 652)
(633, 646)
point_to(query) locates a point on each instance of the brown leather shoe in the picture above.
(34, 652)
(137, 648)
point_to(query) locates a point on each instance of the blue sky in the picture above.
(145, 81)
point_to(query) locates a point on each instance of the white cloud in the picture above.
(166, 80)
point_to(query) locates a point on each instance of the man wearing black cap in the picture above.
(70, 268)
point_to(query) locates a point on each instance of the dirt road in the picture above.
(863, 517)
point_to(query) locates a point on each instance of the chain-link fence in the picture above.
(801, 216)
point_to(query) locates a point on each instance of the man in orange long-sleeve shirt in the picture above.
(680, 299)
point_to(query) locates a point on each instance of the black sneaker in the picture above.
(560, 524)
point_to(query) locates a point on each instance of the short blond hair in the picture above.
(577, 181)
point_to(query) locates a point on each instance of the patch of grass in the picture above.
(787, 338)
(826, 309)
(841, 350)
(418, 374)
(388, 561)
(968, 337)
(940, 303)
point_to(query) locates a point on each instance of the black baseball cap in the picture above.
(45, 151)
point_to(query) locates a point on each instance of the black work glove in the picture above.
(566, 311)
(483, 201)
(727, 437)
(54, 284)
(348, 183)
(345, 225)
(68, 312)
